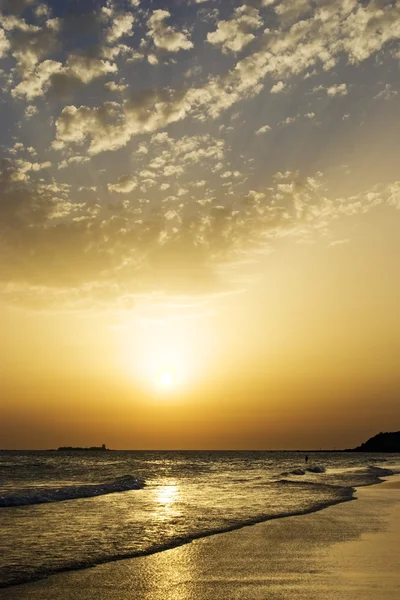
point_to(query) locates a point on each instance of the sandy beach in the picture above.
(347, 551)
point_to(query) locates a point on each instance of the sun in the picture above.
(167, 379)
(165, 356)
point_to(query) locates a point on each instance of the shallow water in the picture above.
(185, 495)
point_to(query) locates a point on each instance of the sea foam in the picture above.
(70, 492)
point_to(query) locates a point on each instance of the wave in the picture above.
(299, 471)
(367, 475)
(327, 495)
(379, 472)
(294, 472)
(340, 494)
(316, 469)
(70, 492)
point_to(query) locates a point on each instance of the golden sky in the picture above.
(199, 223)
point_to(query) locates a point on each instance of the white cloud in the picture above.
(115, 87)
(331, 31)
(337, 90)
(37, 81)
(29, 43)
(387, 93)
(291, 10)
(152, 59)
(63, 208)
(31, 110)
(73, 160)
(42, 10)
(87, 68)
(278, 87)
(50, 73)
(20, 170)
(234, 35)
(122, 26)
(4, 44)
(124, 185)
(289, 120)
(263, 129)
(165, 36)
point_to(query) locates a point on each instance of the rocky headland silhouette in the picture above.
(382, 442)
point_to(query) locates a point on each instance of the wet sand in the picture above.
(348, 551)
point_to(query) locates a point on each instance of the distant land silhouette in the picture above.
(382, 442)
(77, 448)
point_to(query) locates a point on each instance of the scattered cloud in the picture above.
(115, 87)
(30, 111)
(124, 185)
(337, 90)
(387, 93)
(62, 80)
(121, 26)
(263, 129)
(233, 35)
(278, 87)
(183, 200)
(166, 37)
(137, 248)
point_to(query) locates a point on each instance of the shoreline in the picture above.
(174, 545)
(369, 515)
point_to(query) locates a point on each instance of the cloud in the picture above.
(112, 125)
(18, 170)
(79, 69)
(292, 10)
(278, 87)
(178, 247)
(115, 87)
(42, 10)
(175, 213)
(124, 185)
(263, 129)
(30, 43)
(337, 90)
(38, 80)
(233, 35)
(339, 242)
(387, 93)
(332, 30)
(73, 160)
(166, 37)
(289, 120)
(4, 44)
(31, 111)
(122, 26)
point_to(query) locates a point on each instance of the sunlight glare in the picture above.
(167, 379)
(165, 355)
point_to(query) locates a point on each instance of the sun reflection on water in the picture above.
(166, 501)
(167, 494)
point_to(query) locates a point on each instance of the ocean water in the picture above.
(61, 511)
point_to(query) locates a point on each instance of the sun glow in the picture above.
(166, 380)
(166, 355)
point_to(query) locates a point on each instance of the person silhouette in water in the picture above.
(306, 458)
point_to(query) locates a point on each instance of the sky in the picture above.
(199, 223)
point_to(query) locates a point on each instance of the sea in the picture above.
(64, 510)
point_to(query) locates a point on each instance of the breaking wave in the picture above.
(333, 495)
(70, 492)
